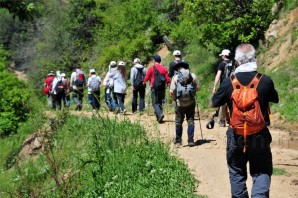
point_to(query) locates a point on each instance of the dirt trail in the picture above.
(207, 161)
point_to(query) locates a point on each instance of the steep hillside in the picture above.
(281, 41)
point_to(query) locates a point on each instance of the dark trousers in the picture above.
(180, 114)
(95, 100)
(157, 97)
(58, 100)
(138, 91)
(77, 96)
(258, 154)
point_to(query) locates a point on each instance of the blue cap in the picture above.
(157, 58)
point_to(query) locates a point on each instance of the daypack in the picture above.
(247, 117)
(60, 87)
(229, 69)
(94, 84)
(159, 80)
(138, 81)
(80, 79)
(49, 85)
(185, 89)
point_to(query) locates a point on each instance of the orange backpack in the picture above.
(247, 117)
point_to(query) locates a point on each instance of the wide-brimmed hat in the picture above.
(51, 73)
(181, 63)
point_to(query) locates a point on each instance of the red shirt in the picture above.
(150, 74)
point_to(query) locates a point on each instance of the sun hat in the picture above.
(157, 58)
(176, 53)
(92, 70)
(51, 73)
(113, 64)
(136, 60)
(121, 63)
(225, 52)
(63, 75)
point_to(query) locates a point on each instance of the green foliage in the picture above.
(226, 23)
(290, 4)
(286, 82)
(24, 10)
(279, 171)
(13, 99)
(102, 157)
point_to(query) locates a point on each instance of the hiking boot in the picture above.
(178, 142)
(191, 144)
(160, 119)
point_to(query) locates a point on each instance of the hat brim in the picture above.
(51, 74)
(185, 65)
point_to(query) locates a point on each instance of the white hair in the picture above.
(245, 53)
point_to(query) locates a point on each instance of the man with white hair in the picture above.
(248, 94)
(221, 74)
(137, 74)
(177, 58)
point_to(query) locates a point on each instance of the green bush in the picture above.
(13, 99)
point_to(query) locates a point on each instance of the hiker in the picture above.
(78, 83)
(184, 86)
(220, 75)
(119, 79)
(89, 97)
(109, 87)
(58, 90)
(137, 74)
(66, 98)
(48, 83)
(177, 57)
(93, 84)
(248, 138)
(158, 77)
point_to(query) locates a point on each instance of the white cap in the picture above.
(121, 63)
(225, 52)
(136, 60)
(113, 63)
(63, 75)
(92, 70)
(176, 53)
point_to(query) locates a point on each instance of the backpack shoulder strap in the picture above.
(236, 84)
(255, 81)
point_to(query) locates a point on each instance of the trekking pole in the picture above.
(198, 111)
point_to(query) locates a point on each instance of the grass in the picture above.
(100, 157)
(286, 83)
(279, 171)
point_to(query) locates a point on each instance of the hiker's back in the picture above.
(185, 89)
(247, 117)
(94, 83)
(139, 78)
(80, 79)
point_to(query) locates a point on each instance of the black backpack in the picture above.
(60, 87)
(229, 69)
(138, 81)
(159, 80)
